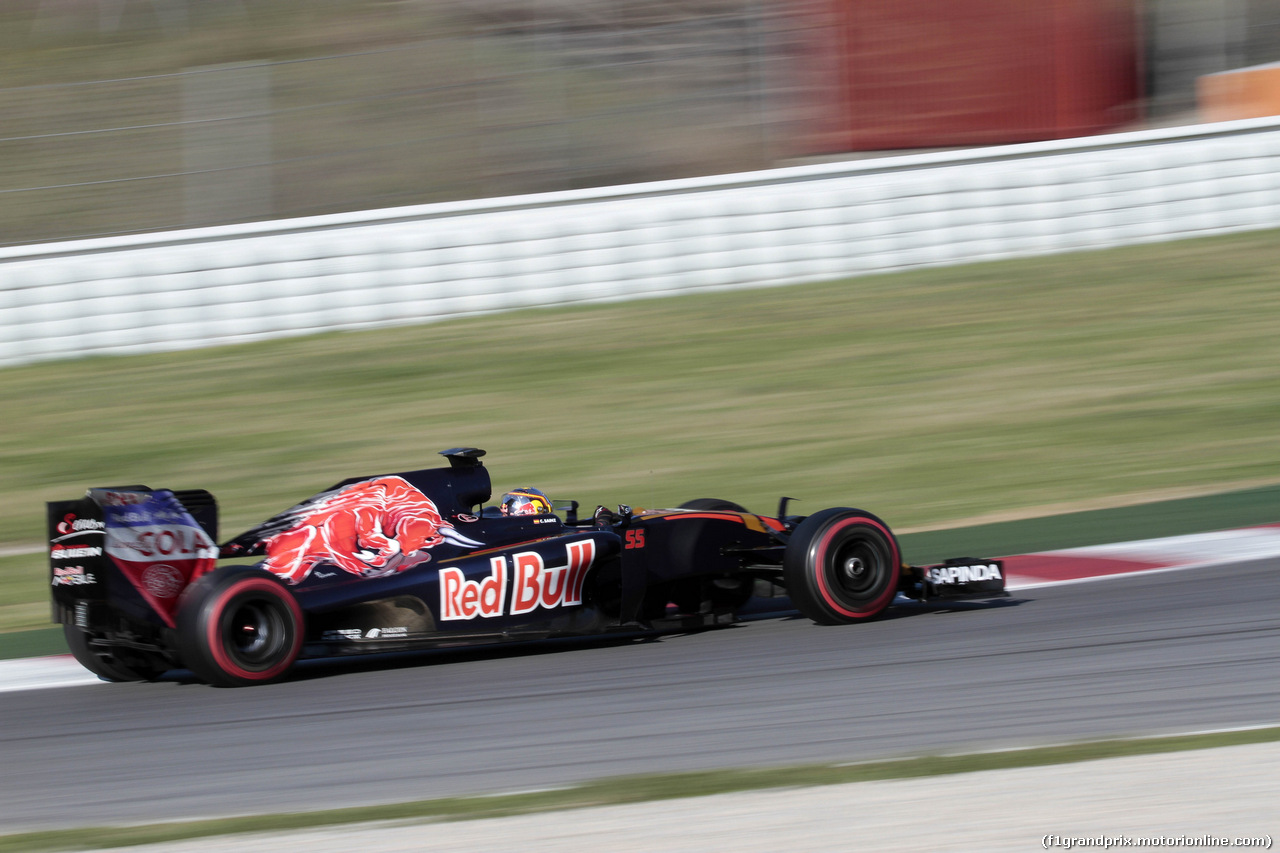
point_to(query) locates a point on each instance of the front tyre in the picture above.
(239, 626)
(842, 565)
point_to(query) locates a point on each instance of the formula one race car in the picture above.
(415, 559)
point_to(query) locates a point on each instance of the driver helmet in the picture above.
(526, 502)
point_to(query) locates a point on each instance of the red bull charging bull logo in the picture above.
(372, 528)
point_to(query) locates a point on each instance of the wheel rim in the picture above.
(255, 634)
(859, 568)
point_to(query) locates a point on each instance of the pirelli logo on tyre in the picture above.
(533, 585)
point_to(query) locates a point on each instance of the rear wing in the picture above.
(128, 546)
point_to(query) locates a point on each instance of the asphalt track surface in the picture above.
(1139, 654)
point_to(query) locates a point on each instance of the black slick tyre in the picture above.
(110, 665)
(841, 566)
(239, 626)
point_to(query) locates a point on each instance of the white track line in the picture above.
(1150, 556)
(37, 673)
(1249, 543)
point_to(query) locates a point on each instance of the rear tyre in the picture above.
(110, 664)
(712, 504)
(239, 626)
(841, 566)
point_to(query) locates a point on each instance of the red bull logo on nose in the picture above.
(372, 528)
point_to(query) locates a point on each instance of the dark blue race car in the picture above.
(416, 560)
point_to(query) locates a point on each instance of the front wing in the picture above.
(964, 577)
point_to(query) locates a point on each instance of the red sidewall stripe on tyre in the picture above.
(215, 641)
(821, 551)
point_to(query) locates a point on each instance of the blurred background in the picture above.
(942, 398)
(120, 116)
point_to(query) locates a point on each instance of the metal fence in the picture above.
(503, 98)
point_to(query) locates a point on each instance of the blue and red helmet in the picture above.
(526, 502)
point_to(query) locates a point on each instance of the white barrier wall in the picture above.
(410, 265)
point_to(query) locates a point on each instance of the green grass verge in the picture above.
(24, 594)
(33, 642)
(632, 789)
